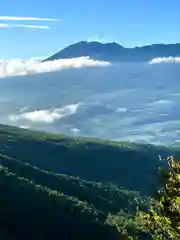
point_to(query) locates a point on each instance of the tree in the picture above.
(162, 219)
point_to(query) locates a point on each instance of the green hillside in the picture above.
(57, 187)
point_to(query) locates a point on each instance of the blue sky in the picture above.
(129, 22)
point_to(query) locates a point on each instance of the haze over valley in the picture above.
(136, 101)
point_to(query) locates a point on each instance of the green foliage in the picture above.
(162, 220)
(57, 187)
(36, 202)
(91, 159)
(30, 211)
(105, 197)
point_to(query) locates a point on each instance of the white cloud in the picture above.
(121, 110)
(37, 116)
(46, 116)
(165, 60)
(4, 25)
(75, 130)
(38, 59)
(160, 102)
(17, 67)
(16, 18)
(24, 126)
(30, 26)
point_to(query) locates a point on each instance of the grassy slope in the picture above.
(46, 166)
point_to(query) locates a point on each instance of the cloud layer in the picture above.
(136, 103)
(18, 67)
(165, 60)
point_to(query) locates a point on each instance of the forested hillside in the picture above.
(57, 187)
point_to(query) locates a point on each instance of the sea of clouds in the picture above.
(34, 65)
(136, 102)
(19, 67)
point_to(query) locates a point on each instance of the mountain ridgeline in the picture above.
(58, 187)
(114, 52)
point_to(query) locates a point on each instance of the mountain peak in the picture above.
(114, 52)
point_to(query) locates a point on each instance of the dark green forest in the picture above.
(59, 187)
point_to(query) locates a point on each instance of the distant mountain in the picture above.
(113, 52)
